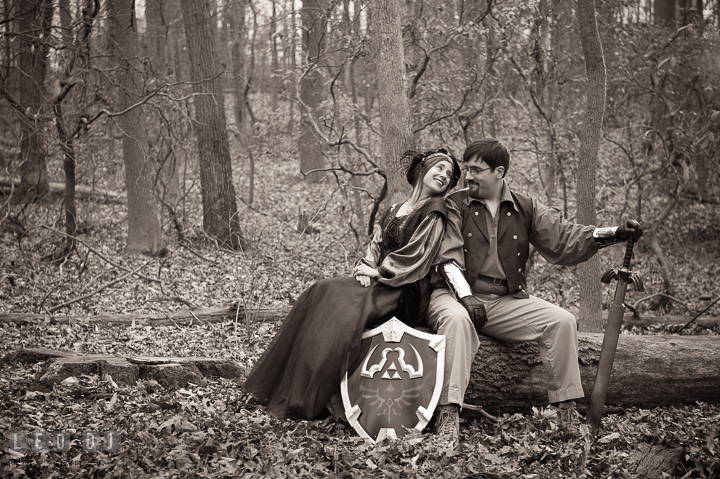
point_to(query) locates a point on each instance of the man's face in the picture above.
(481, 178)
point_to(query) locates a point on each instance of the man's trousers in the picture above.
(509, 319)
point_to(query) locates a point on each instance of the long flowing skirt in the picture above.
(321, 336)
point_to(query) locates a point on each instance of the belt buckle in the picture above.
(497, 281)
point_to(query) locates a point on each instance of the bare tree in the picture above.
(665, 13)
(387, 46)
(144, 235)
(220, 214)
(34, 21)
(590, 292)
(243, 74)
(314, 24)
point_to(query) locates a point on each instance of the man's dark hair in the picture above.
(492, 151)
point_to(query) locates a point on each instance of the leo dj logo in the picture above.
(61, 441)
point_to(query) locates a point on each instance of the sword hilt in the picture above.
(628, 253)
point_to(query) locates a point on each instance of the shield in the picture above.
(398, 382)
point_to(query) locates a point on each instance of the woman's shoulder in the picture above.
(437, 204)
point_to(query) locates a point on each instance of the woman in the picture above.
(320, 338)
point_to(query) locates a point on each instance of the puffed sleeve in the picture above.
(451, 247)
(560, 241)
(413, 261)
(373, 251)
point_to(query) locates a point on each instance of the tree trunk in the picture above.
(665, 267)
(144, 235)
(156, 38)
(66, 141)
(292, 63)
(167, 168)
(491, 48)
(220, 213)
(665, 13)
(311, 92)
(274, 64)
(387, 47)
(177, 57)
(350, 89)
(242, 76)
(69, 162)
(547, 163)
(648, 371)
(589, 272)
(33, 28)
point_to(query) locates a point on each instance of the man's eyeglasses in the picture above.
(473, 170)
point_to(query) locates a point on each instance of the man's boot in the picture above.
(447, 423)
(567, 416)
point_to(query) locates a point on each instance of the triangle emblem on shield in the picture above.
(398, 382)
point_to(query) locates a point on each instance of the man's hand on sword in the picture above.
(631, 229)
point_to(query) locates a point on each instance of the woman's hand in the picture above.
(364, 280)
(364, 274)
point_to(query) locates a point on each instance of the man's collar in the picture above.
(506, 196)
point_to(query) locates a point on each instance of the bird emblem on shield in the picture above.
(398, 382)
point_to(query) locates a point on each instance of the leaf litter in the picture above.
(216, 430)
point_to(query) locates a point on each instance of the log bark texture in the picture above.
(216, 315)
(648, 371)
(170, 372)
(183, 317)
(81, 191)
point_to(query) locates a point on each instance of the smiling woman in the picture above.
(319, 341)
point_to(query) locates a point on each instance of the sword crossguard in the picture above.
(637, 281)
(630, 277)
(609, 275)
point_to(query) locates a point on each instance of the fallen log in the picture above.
(182, 317)
(648, 371)
(81, 191)
(170, 372)
(671, 322)
(215, 315)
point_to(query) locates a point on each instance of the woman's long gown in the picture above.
(308, 357)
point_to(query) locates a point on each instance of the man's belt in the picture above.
(495, 281)
(488, 285)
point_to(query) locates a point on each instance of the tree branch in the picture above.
(106, 285)
(103, 257)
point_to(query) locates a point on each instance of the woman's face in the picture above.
(437, 179)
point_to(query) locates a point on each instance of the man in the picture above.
(491, 238)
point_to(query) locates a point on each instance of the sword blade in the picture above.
(607, 356)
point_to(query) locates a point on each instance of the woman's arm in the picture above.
(412, 262)
(372, 254)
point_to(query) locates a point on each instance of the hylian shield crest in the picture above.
(398, 382)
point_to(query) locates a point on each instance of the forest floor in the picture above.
(216, 430)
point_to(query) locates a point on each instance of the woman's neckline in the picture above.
(409, 210)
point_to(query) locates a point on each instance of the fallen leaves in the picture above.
(217, 430)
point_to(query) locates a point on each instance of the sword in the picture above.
(612, 332)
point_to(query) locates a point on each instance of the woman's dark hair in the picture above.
(416, 164)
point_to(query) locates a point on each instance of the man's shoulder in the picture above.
(524, 201)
